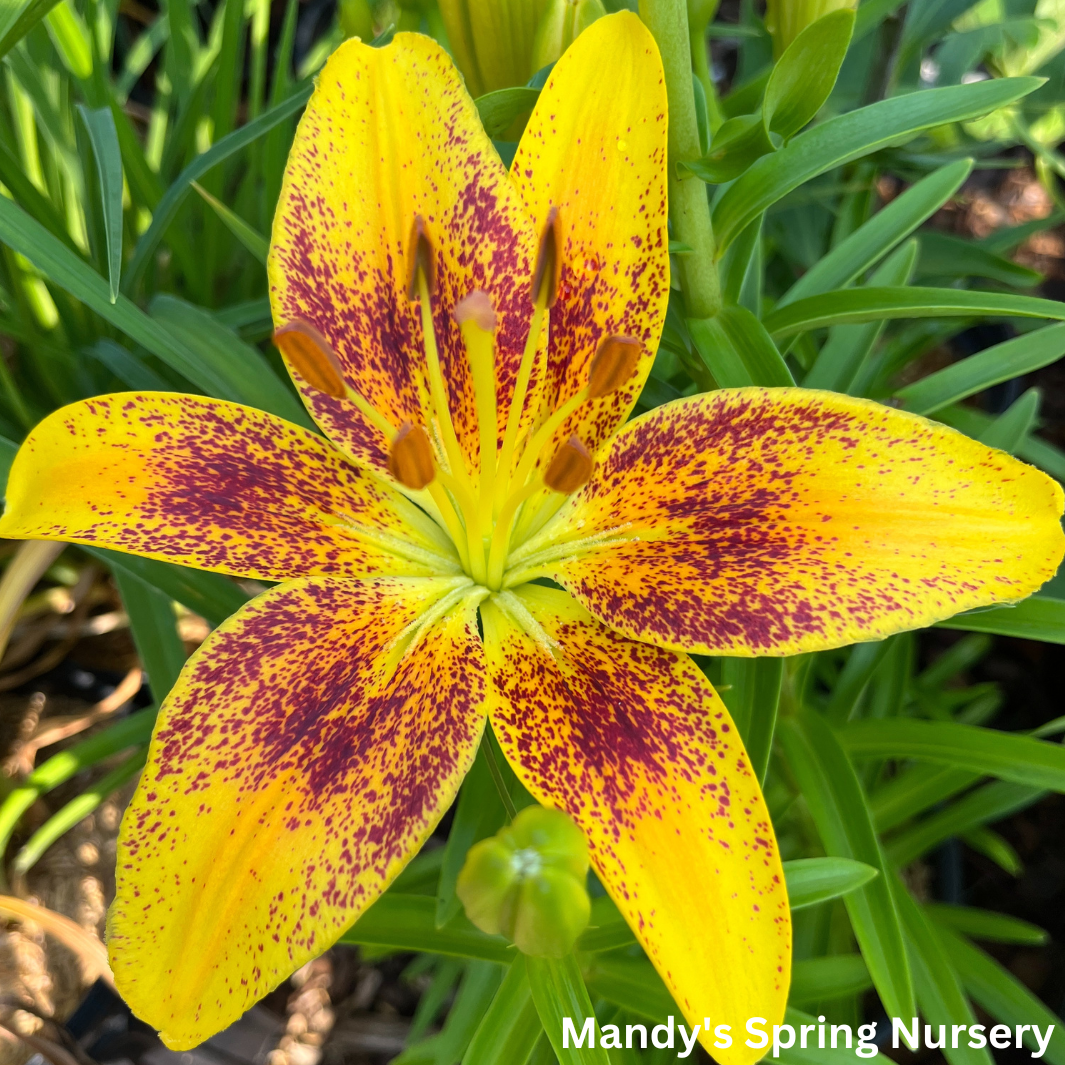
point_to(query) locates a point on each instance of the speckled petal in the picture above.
(295, 769)
(595, 149)
(213, 485)
(633, 742)
(776, 521)
(389, 134)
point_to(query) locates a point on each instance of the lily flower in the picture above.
(481, 534)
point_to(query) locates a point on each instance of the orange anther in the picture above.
(410, 458)
(311, 357)
(613, 365)
(548, 263)
(477, 308)
(422, 260)
(570, 468)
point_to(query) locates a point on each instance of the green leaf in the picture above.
(993, 365)
(814, 880)
(251, 238)
(558, 991)
(851, 136)
(1000, 993)
(840, 364)
(990, 844)
(500, 109)
(1007, 755)
(852, 305)
(132, 731)
(631, 983)
(737, 350)
(17, 19)
(914, 790)
(986, 924)
(130, 370)
(862, 663)
(210, 595)
(737, 143)
(511, 1028)
(874, 239)
(607, 929)
(65, 818)
(944, 256)
(243, 368)
(1039, 617)
(408, 922)
(939, 991)
(479, 986)
(71, 38)
(804, 76)
(1009, 429)
(838, 807)
(155, 633)
(167, 208)
(104, 137)
(751, 690)
(817, 980)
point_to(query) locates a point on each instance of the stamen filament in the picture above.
(497, 555)
(451, 520)
(370, 412)
(471, 523)
(542, 437)
(521, 388)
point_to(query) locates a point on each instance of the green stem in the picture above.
(497, 774)
(689, 208)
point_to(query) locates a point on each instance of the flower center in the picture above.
(516, 487)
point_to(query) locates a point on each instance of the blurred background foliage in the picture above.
(906, 247)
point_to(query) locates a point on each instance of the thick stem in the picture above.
(689, 209)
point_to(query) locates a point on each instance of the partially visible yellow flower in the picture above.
(786, 19)
(492, 40)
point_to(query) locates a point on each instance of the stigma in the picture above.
(519, 480)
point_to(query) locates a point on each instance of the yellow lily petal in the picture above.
(634, 744)
(776, 521)
(295, 769)
(389, 135)
(595, 149)
(210, 484)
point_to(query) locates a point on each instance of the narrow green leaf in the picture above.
(888, 227)
(67, 816)
(229, 145)
(804, 76)
(817, 980)
(1007, 755)
(737, 143)
(511, 1028)
(1003, 996)
(850, 136)
(1009, 429)
(944, 256)
(210, 595)
(242, 367)
(130, 370)
(408, 922)
(18, 18)
(132, 731)
(990, 844)
(939, 991)
(814, 880)
(71, 39)
(852, 305)
(838, 807)
(607, 929)
(631, 983)
(155, 633)
(915, 790)
(1039, 617)
(993, 365)
(478, 987)
(500, 109)
(104, 137)
(251, 238)
(987, 924)
(751, 690)
(738, 351)
(558, 991)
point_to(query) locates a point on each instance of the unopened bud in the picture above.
(527, 883)
(311, 357)
(562, 22)
(476, 308)
(786, 19)
(570, 468)
(548, 263)
(422, 263)
(410, 459)
(613, 365)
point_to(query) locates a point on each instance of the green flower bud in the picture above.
(786, 19)
(562, 23)
(356, 19)
(527, 883)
